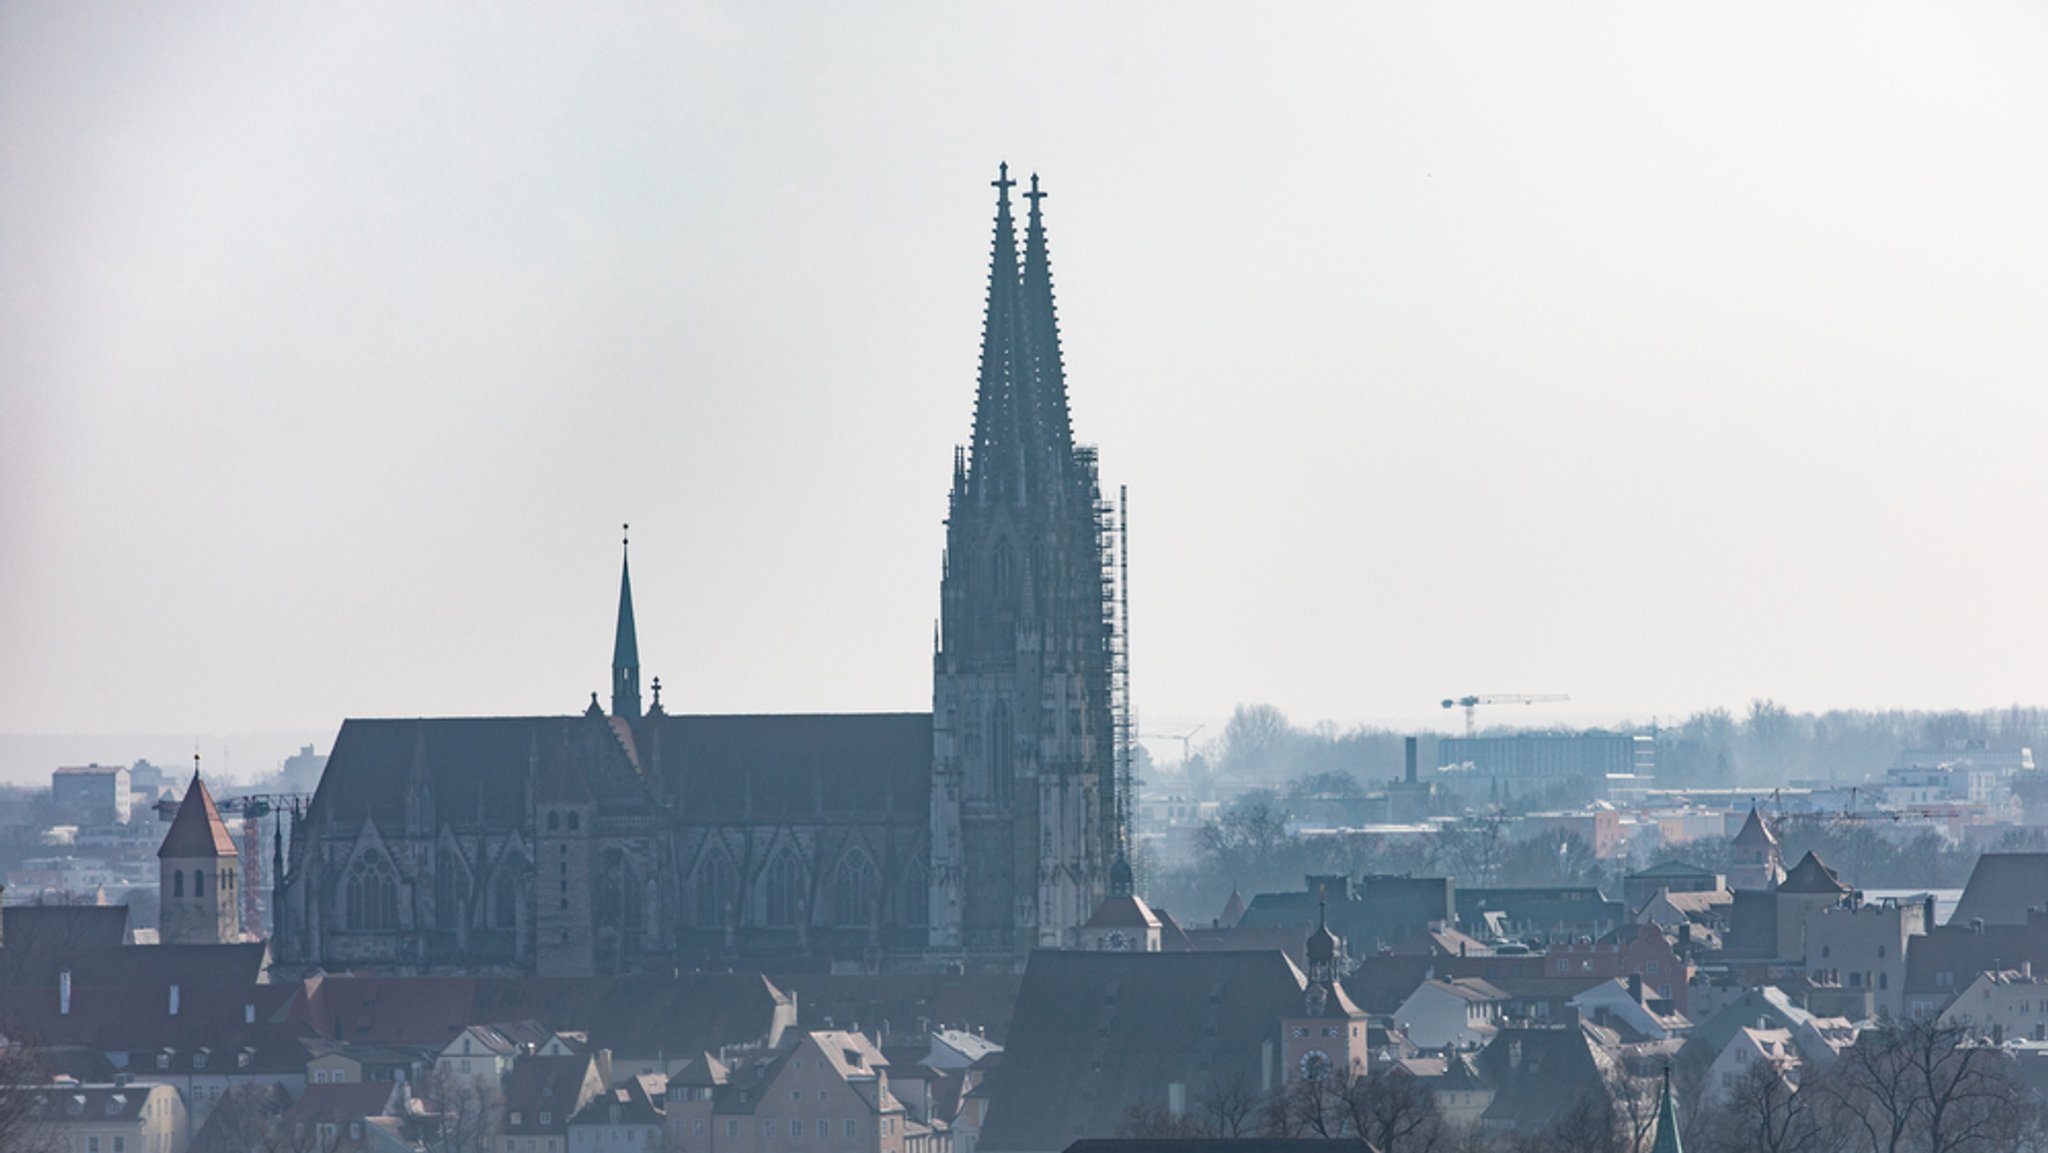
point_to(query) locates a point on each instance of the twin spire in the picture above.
(1023, 437)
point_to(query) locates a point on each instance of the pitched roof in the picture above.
(557, 1085)
(197, 830)
(1811, 876)
(1096, 1033)
(1233, 910)
(1673, 868)
(1124, 912)
(1755, 831)
(2001, 889)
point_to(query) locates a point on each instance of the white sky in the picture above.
(1662, 356)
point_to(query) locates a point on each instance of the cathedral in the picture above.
(636, 839)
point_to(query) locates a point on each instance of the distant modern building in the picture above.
(92, 794)
(1547, 768)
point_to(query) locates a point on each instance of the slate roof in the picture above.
(2001, 889)
(197, 830)
(481, 771)
(903, 1002)
(1811, 876)
(242, 963)
(1220, 1145)
(26, 928)
(1541, 1073)
(558, 1085)
(1123, 912)
(1096, 1033)
(1673, 868)
(636, 1015)
(1755, 831)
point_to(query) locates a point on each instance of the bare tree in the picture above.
(462, 1113)
(1923, 1086)
(1760, 1113)
(23, 1107)
(1394, 1111)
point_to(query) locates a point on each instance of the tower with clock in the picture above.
(1328, 1038)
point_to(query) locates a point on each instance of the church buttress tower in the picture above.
(1023, 732)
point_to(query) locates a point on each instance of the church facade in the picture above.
(635, 839)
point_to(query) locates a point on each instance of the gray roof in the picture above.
(1096, 1033)
(2002, 888)
(480, 771)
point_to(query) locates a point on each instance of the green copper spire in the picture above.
(1667, 1121)
(626, 645)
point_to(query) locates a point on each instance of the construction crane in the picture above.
(1471, 703)
(1185, 737)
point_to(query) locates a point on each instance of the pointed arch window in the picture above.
(783, 889)
(199, 882)
(177, 882)
(451, 885)
(618, 898)
(505, 892)
(714, 890)
(853, 890)
(917, 894)
(1000, 748)
(372, 905)
(999, 567)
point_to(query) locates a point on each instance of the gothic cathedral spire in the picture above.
(626, 646)
(1024, 790)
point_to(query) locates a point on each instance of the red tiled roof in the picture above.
(197, 831)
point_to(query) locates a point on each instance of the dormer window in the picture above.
(163, 1059)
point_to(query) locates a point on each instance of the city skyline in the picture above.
(350, 340)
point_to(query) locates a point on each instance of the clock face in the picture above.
(1118, 943)
(1314, 1064)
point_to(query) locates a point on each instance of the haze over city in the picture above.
(1666, 359)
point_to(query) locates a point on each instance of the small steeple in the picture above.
(197, 832)
(1122, 883)
(626, 644)
(1667, 1120)
(1322, 947)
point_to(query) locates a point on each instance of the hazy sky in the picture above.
(1664, 356)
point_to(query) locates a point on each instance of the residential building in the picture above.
(1462, 1012)
(627, 1118)
(2002, 1005)
(107, 1118)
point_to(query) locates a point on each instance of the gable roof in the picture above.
(1672, 868)
(1755, 831)
(197, 830)
(1811, 876)
(2001, 889)
(1096, 1033)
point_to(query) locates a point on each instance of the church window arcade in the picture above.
(782, 893)
(853, 890)
(372, 905)
(714, 890)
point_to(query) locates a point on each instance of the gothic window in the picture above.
(853, 890)
(451, 884)
(177, 882)
(372, 895)
(618, 898)
(505, 894)
(999, 568)
(1000, 747)
(714, 890)
(783, 890)
(199, 882)
(917, 895)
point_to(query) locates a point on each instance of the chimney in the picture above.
(1408, 751)
(174, 1000)
(64, 993)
